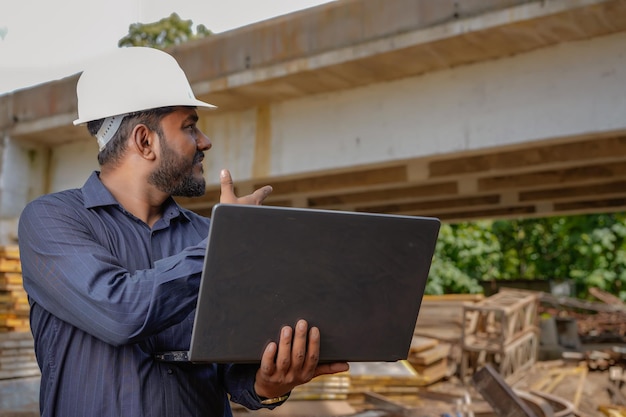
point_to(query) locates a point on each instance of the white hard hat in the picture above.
(129, 80)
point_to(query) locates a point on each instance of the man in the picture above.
(112, 270)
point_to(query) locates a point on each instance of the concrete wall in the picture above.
(22, 178)
(562, 91)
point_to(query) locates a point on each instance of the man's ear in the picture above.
(143, 140)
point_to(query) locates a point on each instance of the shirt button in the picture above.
(170, 371)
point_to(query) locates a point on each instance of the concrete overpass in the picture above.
(457, 109)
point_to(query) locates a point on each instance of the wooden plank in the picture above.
(10, 252)
(611, 410)
(432, 373)
(11, 278)
(10, 265)
(560, 406)
(19, 373)
(420, 344)
(607, 297)
(554, 377)
(451, 298)
(430, 356)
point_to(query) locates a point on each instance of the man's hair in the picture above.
(114, 149)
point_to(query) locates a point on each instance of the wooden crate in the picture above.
(498, 320)
(516, 356)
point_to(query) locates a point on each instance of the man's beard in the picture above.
(175, 173)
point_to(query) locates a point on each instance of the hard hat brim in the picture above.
(189, 103)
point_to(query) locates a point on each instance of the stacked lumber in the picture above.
(14, 307)
(324, 387)
(363, 377)
(380, 377)
(17, 356)
(383, 377)
(441, 316)
(429, 358)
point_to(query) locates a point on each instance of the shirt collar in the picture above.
(95, 194)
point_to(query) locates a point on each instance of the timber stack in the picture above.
(17, 356)
(13, 300)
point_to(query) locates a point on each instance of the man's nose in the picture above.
(204, 143)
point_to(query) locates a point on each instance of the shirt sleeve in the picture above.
(239, 381)
(70, 274)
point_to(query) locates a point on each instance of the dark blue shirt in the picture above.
(107, 292)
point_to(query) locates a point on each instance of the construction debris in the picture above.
(504, 401)
(467, 352)
(597, 322)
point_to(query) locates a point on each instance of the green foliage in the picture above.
(589, 249)
(464, 252)
(166, 32)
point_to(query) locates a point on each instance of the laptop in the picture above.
(358, 277)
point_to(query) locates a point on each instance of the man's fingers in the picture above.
(298, 351)
(312, 354)
(283, 358)
(268, 367)
(225, 177)
(226, 187)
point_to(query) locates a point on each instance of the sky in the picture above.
(44, 40)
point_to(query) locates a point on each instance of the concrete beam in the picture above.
(339, 45)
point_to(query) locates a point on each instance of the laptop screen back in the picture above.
(358, 277)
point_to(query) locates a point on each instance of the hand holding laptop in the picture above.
(292, 362)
